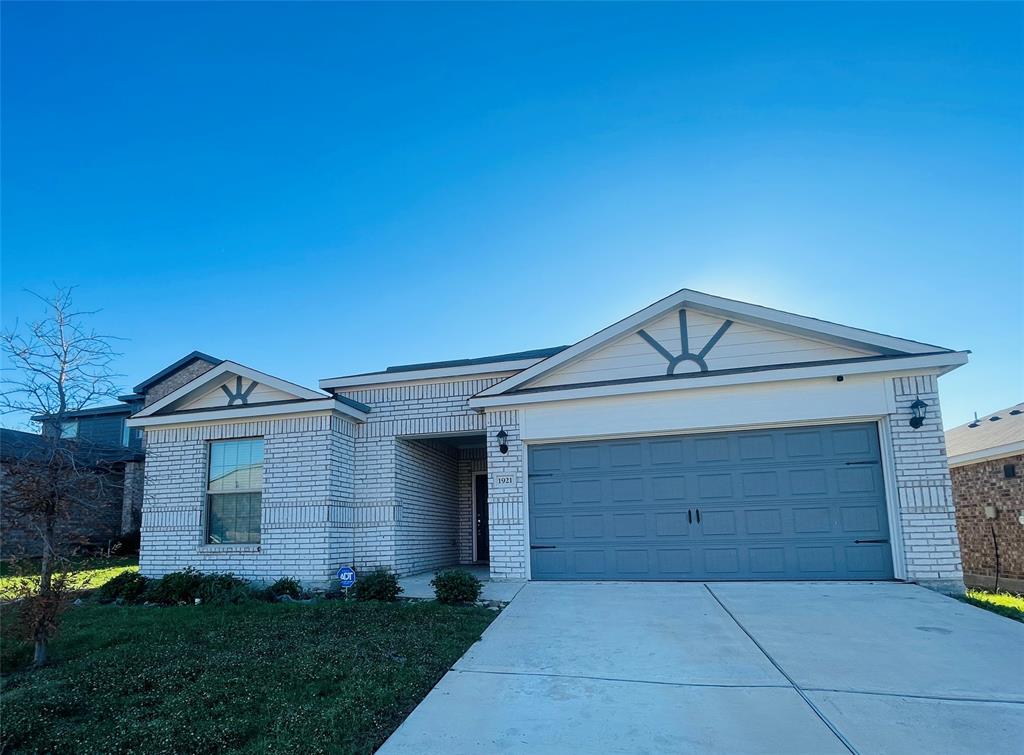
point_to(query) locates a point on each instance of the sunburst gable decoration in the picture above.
(238, 395)
(684, 339)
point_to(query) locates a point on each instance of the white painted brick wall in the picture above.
(926, 512)
(399, 412)
(505, 507)
(307, 516)
(369, 495)
(472, 462)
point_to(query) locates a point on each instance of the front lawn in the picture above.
(337, 676)
(1003, 603)
(89, 574)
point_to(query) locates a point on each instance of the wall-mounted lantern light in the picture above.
(920, 409)
(503, 441)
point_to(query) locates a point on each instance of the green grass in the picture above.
(89, 574)
(256, 677)
(1003, 603)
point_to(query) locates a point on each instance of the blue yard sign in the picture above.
(347, 575)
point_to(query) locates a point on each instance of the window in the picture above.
(235, 491)
(69, 429)
(126, 435)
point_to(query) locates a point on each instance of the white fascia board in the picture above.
(933, 362)
(987, 454)
(213, 376)
(490, 369)
(251, 411)
(726, 308)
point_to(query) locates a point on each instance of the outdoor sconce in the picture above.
(920, 409)
(502, 441)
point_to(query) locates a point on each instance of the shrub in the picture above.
(221, 589)
(377, 585)
(128, 586)
(285, 586)
(188, 584)
(176, 587)
(454, 586)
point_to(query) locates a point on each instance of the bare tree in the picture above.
(57, 365)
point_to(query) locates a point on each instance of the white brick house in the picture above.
(700, 438)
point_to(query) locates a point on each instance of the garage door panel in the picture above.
(768, 504)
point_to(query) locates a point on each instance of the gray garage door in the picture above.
(793, 503)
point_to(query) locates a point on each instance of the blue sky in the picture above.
(320, 189)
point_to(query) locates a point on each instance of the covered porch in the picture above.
(441, 488)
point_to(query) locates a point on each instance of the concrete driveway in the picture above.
(730, 667)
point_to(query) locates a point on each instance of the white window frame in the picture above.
(208, 494)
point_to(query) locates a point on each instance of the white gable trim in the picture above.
(987, 454)
(213, 377)
(809, 327)
(927, 364)
(250, 411)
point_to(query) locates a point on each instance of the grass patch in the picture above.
(336, 676)
(89, 574)
(1003, 603)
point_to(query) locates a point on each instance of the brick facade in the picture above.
(89, 528)
(396, 491)
(307, 512)
(926, 513)
(175, 380)
(975, 487)
(131, 503)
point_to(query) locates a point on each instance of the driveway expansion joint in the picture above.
(619, 679)
(810, 703)
(916, 696)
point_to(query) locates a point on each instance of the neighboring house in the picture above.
(95, 526)
(986, 463)
(699, 439)
(106, 426)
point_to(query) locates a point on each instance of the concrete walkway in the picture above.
(418, 585)
(730, 667)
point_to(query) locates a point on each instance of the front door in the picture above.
(483, 552)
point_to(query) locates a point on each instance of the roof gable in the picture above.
(688, 341)
(170, 369)
(227, 385)
(690, 332)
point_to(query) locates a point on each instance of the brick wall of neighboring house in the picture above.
(131, 505)
(307, 514)
(175, 380)
(93, 527)
(926, 512)
(976, 486)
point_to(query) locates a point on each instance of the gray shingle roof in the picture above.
(998, 429)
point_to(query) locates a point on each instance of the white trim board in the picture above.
(727, 308)
(902, 366)
(251, 411)
(214, 376)
(715, 409)
(987, 454)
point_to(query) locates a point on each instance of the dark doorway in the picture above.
(483, 552)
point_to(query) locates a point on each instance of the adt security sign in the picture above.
(347, 575)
